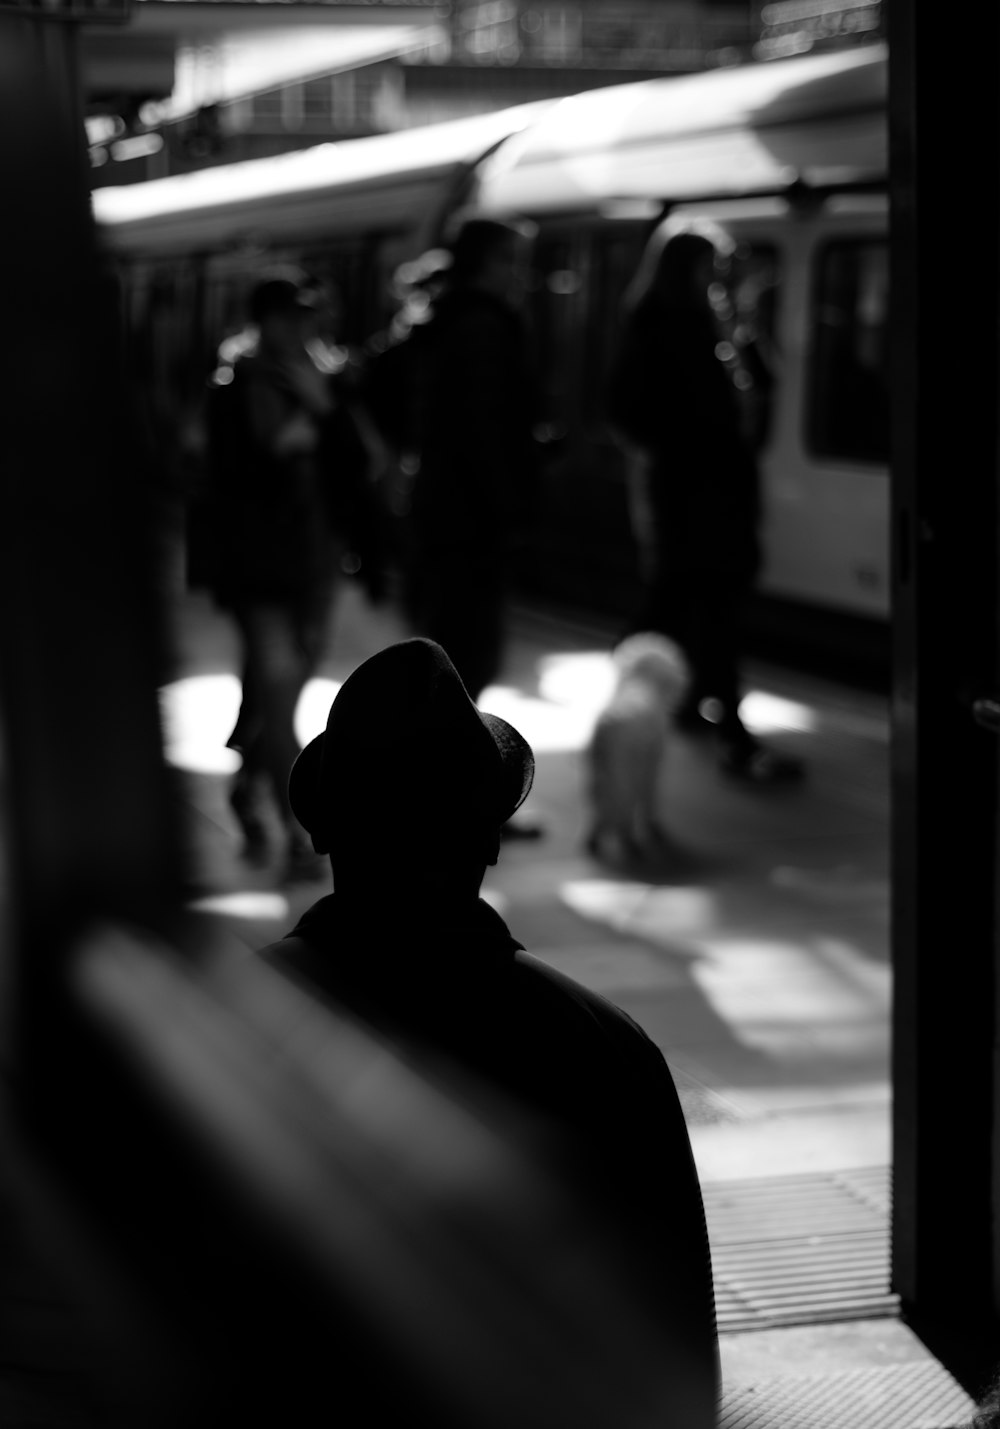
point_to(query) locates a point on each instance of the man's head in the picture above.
(284, 308)
(492, 255)
(409, 775)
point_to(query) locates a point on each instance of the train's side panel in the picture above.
(824, 469)
(826, 478)
(291, 219)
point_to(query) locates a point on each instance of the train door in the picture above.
(825, 470)
(845, 409)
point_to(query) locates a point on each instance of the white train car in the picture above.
(791, 159)
(789, 156)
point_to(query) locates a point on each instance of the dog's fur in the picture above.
(625, 756)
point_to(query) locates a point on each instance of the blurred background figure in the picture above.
(474, 484)
(390, 387)
(292, 503)
(473, 491)
(674, 401)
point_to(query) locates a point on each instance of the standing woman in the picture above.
(674, 405)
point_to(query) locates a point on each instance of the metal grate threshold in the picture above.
(899, 1396)
(800, 1250)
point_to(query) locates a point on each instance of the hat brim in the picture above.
(305, 778)
(517, 756)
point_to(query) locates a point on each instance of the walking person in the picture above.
(674, 404)
(289, 482)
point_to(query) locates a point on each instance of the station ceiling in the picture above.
(134, 58)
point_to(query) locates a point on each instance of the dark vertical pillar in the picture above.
(945, 213)
(89, 819)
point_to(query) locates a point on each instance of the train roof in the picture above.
(231, 198)
(739, 130)
(755, 128)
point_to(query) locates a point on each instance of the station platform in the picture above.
(761, 971)
(759, 965)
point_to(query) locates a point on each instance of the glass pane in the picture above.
(849, 390)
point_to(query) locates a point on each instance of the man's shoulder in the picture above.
(591, 1012)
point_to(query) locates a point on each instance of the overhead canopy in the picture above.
(138, 58)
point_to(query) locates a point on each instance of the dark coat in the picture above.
(474, 417)
(279, 522)
(466, 993)
(671, 396)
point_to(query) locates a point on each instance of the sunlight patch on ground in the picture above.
(247, 903)
(766, 713)
(199, 712)
(198, 715)
(573, 688)
(314, 707)
(641, 909)
(580, 681)
(771, 993)
(585, 681)
(547, 727)
(762, 983)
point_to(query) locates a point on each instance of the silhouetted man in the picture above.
(407, 791)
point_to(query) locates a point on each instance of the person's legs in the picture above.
(713, 644)
(247, 791)
(704, 614)
(461, 604)
(274, 673)
(675, 606)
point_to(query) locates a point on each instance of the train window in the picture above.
(848, 414)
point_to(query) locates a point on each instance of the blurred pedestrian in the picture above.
(474, 489)
(407, 791)
(291, 493)
(674, 403)
(474, 484)
(392, 382)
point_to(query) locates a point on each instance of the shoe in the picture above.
(756, 764)
(522, 827)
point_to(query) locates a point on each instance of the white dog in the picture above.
(626, 753)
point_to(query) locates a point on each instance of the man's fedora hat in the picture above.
(404, 743)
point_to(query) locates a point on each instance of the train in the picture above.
(789, 156)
